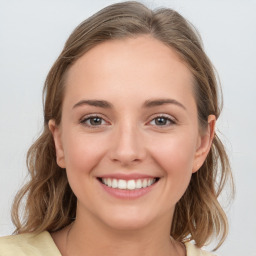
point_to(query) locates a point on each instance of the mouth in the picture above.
(131, 184)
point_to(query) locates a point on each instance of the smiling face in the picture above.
(129, 135)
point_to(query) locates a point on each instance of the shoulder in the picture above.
(28, 244)
(192, 250)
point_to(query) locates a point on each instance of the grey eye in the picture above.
(93, 121)
(162, 121)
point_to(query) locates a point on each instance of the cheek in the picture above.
(83, 152)
(175, 152)
(82, 155)
(175, 156)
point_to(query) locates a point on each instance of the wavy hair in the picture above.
(50, 203)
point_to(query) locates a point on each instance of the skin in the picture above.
(127, 139)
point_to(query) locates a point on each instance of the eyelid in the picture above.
(167, 116)
(93, 115)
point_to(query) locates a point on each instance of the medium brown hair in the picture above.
(50, 203)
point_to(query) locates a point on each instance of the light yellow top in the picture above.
(41, 245)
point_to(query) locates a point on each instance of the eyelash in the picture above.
(166, 118)
(90, 118)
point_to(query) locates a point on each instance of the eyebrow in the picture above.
(147, 103)
(159, 102)
(95, 103)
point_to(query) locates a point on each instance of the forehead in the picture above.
(133, 66)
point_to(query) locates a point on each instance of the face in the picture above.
(129, 135)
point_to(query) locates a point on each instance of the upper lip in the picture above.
(130, 176)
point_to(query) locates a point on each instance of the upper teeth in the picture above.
(128, 184)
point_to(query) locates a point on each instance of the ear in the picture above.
(204, 143)
(56, 133)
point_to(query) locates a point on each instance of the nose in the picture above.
(127, 145)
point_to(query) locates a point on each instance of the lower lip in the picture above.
(127, 194)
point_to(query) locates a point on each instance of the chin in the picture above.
(128, 219)
(127, 224)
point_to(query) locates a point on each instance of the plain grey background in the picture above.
(32, 34)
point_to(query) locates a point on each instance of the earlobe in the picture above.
(204, 143)
(56, 133)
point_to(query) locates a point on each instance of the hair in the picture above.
(50, 203)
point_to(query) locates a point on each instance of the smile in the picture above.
(131, 184)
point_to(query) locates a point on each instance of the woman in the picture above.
(127, 161)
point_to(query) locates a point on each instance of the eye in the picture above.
(93, 121)
(162, 121)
